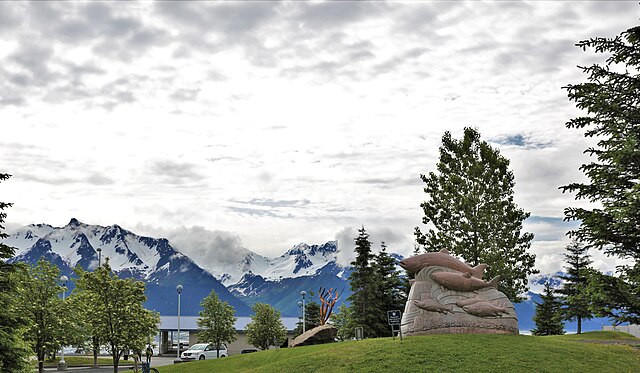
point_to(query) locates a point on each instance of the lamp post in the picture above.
(300, 314)
(304, 327)
(62, 365)
(99, 250)
(179, 290)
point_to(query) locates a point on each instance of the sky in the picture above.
(261, 125)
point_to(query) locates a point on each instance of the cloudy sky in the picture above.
(264, 124)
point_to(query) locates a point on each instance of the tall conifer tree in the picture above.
(363, 283)
(574, 288)
(612, 117)
(471, 212)
(548, 316)
(392, 291)
(13, 349)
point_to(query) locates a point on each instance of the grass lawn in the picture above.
(438, 353)
(83, 361)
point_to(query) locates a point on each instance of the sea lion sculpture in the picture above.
(443, 259)
(485, 309)
(463, 282)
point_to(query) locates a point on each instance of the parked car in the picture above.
(248, 351)
(202, 351)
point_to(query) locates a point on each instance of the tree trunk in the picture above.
(116, 358)
(41, 361)
(95, 352)
(579, 324)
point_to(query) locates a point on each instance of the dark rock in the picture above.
(320, 334)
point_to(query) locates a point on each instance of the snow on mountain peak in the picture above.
(77, 244)
(301, 260)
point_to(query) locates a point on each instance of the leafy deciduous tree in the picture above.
(341, 320)
(113, 311)
(266, 328)
(548, 316)
(51, 322)
(217, 321)
(610, 100)
(471, 212)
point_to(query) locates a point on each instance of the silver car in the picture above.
(202, 351)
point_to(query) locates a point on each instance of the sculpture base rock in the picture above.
(320, 334)
(433, 309)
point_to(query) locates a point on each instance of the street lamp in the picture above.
(304, 327)
(62, 365)
(94, 338)
(300, 314)
(179, 290)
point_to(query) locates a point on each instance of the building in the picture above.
(631, 329)
(169, 325)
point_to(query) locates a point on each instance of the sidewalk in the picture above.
(156, 361)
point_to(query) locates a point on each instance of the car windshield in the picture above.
(198, 347)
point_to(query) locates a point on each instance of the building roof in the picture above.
(188, 323)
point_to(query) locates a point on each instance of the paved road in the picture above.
(155, 362)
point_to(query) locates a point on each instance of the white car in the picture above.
(202, 351)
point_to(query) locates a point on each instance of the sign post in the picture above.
(395, 318)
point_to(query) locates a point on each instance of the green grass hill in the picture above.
(588, 352)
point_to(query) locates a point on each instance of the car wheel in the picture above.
(223, 355)
(201, 357)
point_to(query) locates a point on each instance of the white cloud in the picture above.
(181, 114)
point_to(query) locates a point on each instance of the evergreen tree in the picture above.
(216, 323)
(548, 316)
(365, 310)
(612, 116)
(113, 311)
(391, 293)
(312, 315)
(574, 287)
(13, 350)
(266, 328)
(311, 318)
(471, 212)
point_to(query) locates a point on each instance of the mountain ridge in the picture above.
(253, 278)
(148, 259)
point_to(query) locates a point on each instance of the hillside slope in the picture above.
(438, 353)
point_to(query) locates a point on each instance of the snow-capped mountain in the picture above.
(278, 281)
(300, 260)
(255, 278)
(151, 260)
(536, 282)
(78, 244)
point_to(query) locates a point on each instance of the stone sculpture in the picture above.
(320, 334)
(450, 297)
